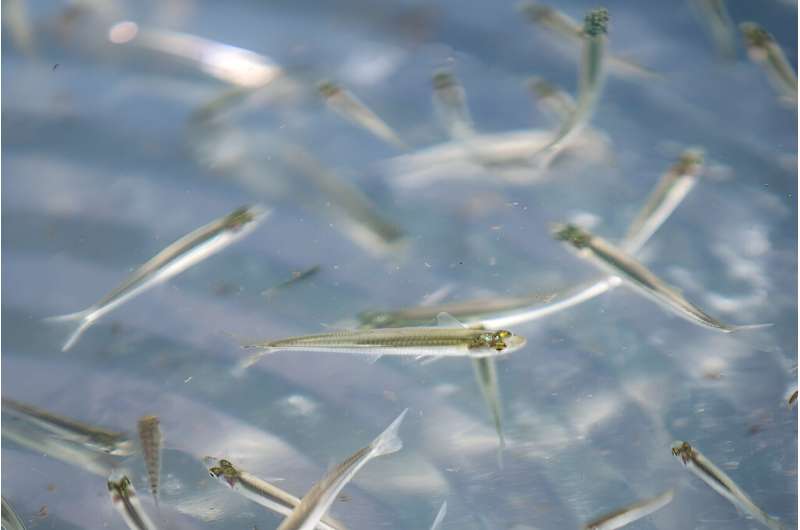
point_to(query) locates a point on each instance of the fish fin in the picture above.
(243, 365)
(428, 359)
(83, 324)
(389, 441)
(446, 320)
(437, 522)
(437, 296)
(750, 327)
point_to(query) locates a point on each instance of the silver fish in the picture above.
(11, 521)
(261, 491)
(94, 438)
(176, 258)
(151, 440)
(319, 498)
(345, 104)
(297, 277)
(763, 50)
(698, 464)
(629, 514)
(714, 15)
(450, 103)
(437, 522)
(615, 261)
(450, 339)
(124, 498)
(670, 191)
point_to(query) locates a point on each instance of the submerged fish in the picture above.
(94, 438)
(176, 258)
(297, 277)
(319, 498)
(437, 522)
(11, 521)
(450, 339)
(791, 397)
(450, 103)
(763, 50)
(629, 514)
(698, 464)
(715, 16)
(123, 497)
(349, 107)
(615, 261)
(151, 439)
(670, 191)
(486, 376)
(261, 491)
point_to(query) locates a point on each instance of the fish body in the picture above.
(94, 438)
(261, 491)
(763, 50)
(557, 104)
(715, 15)
(450, 102)
(629, 514)
(11, 521)
(126, 502)
(176, 258)
(151, 440)
(698, 464)
(319, 498)
(615, 261)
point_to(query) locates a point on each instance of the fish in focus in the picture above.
(615, 261)
(126, 502)
(261, 491)
(698, 464)
(319, 498)
(764, 51)
(176, 258)
(629, 514)
(151, 440)
(11, 521)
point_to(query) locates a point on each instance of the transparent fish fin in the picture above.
(242, 366)
(437, 522)
(389, 440)
(436, 296)
(83, 325)
(751, 327)
(446, 320)
(429, 359)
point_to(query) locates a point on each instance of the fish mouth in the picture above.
(514, 342)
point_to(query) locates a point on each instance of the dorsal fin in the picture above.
(446, 320)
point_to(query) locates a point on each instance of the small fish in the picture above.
(486, 376)
(557, 104)
(450, 102)
(176, 258)
(151, 440)
(791, 397)
(319, 498)
(673, 187)
(629, 514)
(261, 491)
(124, 498)
(763, 50)
(11, 521)
(95, 438)
(716, 18)
(615, 261)
(437, 522)
(590, 83)
(297, 277)
(698, 464)
(449, 339)
(346, 105)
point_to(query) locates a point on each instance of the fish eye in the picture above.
(503, 334)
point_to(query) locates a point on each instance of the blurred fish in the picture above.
(763, 50)
(670, 191)
(450, 339)
(346, 105)
(715, 17)
(319, 498)
(124, 498)
(791, 397)
(486, 376)
(18, 24)
(629, 514)
(297, 277)
(94, 438)
(557, 104)
(616, 262)
(151, 439)
(698, 464)
(437, 522)
(569, 28)
(176, 258)
(450, 103)
(261, 491)
(11, 521)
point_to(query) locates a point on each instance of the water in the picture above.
(100, 173)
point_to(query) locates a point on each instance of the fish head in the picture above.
(690, 162)
(596, 22)
(572, 234)
(443, 79)
(755, 36)
(244, 216)
(223, 470)
(328, 89)
(120, 489)
(492, 343)
(536, 12)
(682, 450)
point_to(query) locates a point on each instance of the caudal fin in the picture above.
(81, 317)
(389, 440)
(244, 364)
(750, 327)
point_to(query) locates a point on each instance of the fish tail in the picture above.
(439, 517)
(243, 365)
(83, 324)
(389, 441)
(750, 327)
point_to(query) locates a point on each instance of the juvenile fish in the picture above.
(151, 439)
(176, 258)
(319, 498)
(417, 341)
(345, 104)
(450, 103)
(764, 51)
(124, 498)
(613, 260)
(261, 491)
(95, 438)
(437, 522)
(297, 277)
(629, 514)
(11, 521)
(673, 187)
(698, 464)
